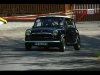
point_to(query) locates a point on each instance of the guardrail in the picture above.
(26, 16)
(82, 16)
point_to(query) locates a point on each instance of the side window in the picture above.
(73, 23)
(66, 22)
(70, 22)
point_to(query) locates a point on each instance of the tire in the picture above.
(62, 45)
(28, 46)
(77, 45)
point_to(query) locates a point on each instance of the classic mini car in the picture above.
(53, 31)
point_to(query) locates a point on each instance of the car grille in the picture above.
(42, 37)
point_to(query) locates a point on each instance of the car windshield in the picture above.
(48, 21)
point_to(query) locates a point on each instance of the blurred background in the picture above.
(79, 12)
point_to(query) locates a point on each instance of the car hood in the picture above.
(45, 29)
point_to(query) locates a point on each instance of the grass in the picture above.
(99, 54)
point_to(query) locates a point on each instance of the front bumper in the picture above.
(49, 43)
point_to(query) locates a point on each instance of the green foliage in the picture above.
(99, 54)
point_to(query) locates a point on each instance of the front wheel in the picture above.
(77, 45)
(28, 46)
(62, 45)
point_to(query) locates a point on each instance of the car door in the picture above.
(70, 31)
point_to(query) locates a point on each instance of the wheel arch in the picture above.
(63, 36)
(78, 36)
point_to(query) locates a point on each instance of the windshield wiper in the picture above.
(58, 25)
(47, 26)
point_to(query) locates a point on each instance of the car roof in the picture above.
(54, 16)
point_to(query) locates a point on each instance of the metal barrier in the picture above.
(81, 16)
(33, 17)
(78, 17)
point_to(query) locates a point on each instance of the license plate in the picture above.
(40, 43)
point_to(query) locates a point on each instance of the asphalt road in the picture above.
(14, 57)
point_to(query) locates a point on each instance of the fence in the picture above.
(50, 8)
(87, 17)
(30, 8)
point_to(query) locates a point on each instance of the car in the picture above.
(53, 31)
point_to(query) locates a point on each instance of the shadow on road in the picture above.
(84, 69)
(17, 44)
(70, 59)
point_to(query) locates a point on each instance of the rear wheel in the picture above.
(28, 46)
(62, 45)
(77, 45)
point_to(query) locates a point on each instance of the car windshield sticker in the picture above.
(38, 20)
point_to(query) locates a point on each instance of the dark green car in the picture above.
(53, 31)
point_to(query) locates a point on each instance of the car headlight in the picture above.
(55, 32)
(28, 32)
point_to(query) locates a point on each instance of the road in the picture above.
(14, 57)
